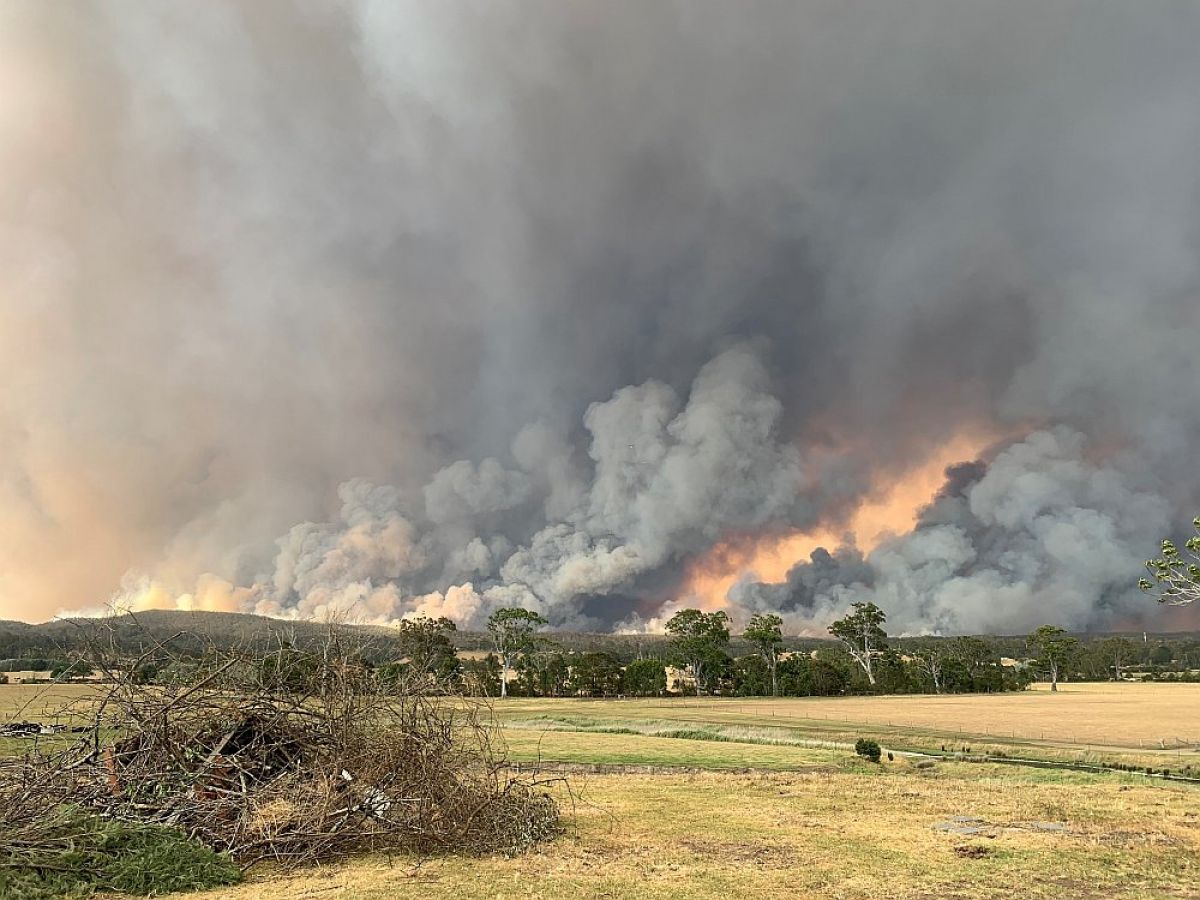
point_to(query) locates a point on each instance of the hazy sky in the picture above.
(441, 306)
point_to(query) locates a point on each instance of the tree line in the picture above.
(516, 655)
(864, 660)
(524, 660)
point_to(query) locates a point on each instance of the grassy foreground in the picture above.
(759, 799)
(849, 833)
(738, 798)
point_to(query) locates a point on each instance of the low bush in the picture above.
(868, 749)
(77, 854)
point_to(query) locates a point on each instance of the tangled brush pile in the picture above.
(295, 758)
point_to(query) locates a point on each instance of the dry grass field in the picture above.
(1124, 715)
(1144, 724)
(730, 798)
(844, 832)
(35, 701)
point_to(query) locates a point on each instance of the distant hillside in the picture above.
(132, 633)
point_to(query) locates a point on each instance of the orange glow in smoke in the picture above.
(890, 509)
(210, 594)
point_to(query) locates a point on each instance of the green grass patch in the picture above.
(665, 728)
(637, 749)
(577, 739)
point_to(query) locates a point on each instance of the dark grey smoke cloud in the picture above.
(533, 302)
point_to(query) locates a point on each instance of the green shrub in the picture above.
(868, 749)
(75, 854)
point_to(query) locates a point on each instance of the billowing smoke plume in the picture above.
(670, 476)
(397, 308)
(1040, 532)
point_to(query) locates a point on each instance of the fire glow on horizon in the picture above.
(891, 509)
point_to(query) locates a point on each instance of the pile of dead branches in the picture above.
(293, 757)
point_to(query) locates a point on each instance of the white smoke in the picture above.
(1044, 535)
(1042, 528)
(670, 477)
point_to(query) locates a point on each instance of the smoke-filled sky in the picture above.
(383, 308)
